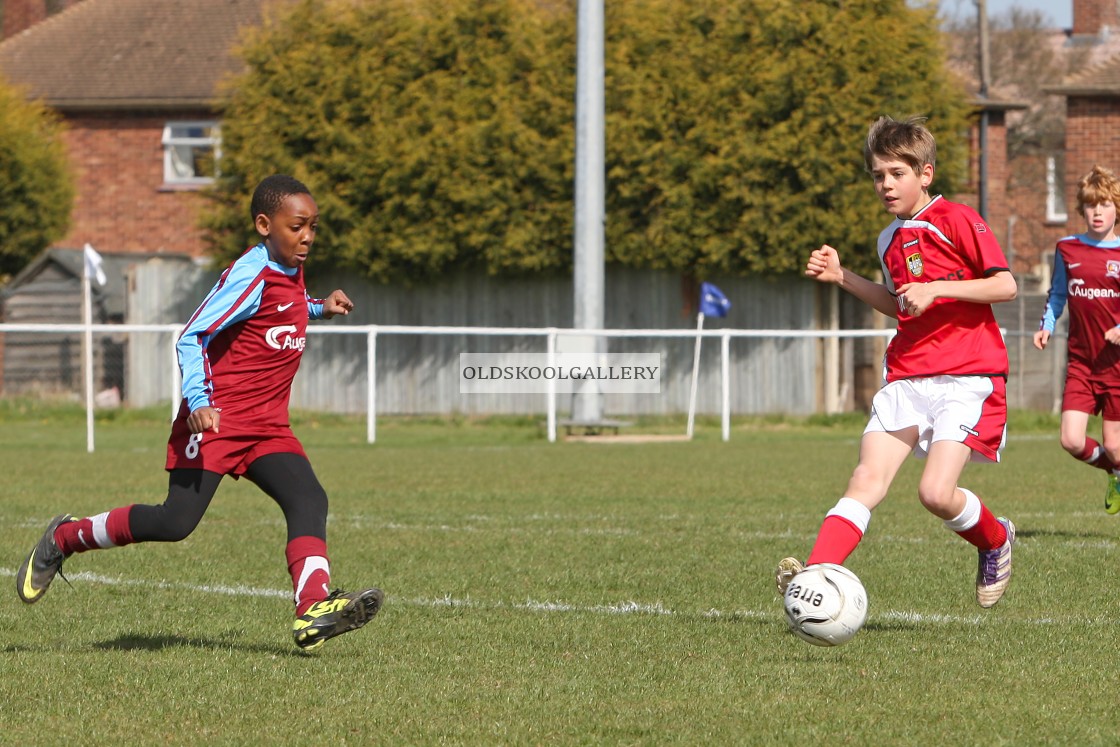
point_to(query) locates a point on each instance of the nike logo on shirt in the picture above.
(1074, 264)
(285, 306)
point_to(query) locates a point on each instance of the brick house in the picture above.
(1041, 189)
(135, 83)
(1092, 98)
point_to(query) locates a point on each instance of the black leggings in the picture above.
(286, 478)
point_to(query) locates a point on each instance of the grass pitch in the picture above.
(568, 593)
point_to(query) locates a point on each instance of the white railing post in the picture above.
(371, 385)
(87, 354)
(176, 379)
(551, 417)
(725, 380)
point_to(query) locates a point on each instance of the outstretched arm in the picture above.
(337, 303)
(824, 266)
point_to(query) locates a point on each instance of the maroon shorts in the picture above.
(1092, 396)
(231, 450)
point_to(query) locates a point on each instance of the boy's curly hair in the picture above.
(1099, 185)
(270, 193)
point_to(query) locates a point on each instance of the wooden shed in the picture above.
(49, 291)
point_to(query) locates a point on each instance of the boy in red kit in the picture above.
(1087, 277)
(239, 354)
(946, 368)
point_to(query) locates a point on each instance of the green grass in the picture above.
(565, 593)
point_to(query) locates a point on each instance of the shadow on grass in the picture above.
(894, 625)
(140, 642)
(1061, 534)
(749, 618)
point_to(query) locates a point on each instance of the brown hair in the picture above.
(1099, 185)
(907, 140)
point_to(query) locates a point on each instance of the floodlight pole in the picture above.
(590, 188)
(985, 80)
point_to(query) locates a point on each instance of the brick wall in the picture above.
(1090, 15)
(997, 210)
(1091, 127)
(997, 176)
(1032, 237)
(1016, 207)
(122, 204)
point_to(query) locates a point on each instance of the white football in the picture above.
(826, 604)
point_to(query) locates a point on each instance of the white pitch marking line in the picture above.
(530, 605)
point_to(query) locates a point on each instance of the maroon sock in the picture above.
(1095, 456)
(310, 570)
(109, 529)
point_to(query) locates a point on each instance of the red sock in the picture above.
(1095, 456)
(109, 529)
(836, 540)
(310, 569)
(988, 533)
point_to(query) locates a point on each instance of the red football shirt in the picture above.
(943, 241)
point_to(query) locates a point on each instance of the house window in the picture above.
(1055, 197)
(190, 152)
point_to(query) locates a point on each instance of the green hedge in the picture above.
(439, 134)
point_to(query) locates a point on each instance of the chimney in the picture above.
(19, 15)
(1092, 17)
(22, 14)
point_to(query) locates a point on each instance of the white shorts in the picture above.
(967, 409)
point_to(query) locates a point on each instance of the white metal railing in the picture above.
(552, 334)
(832, 374)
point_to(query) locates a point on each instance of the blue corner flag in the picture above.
(712, 301)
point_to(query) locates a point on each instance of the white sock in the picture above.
(969, 516)
(852, 510)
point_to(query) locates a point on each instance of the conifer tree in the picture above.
(36, 186)
(438, 134)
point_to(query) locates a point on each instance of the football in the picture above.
(826, 604)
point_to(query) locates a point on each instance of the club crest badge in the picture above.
(914, 264)
(1112, 268)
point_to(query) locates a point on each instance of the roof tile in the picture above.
(130, 53)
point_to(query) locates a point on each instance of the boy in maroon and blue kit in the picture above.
(1087, 278)
(239, 354)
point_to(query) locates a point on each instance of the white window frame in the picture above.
(1055, 193)
(173, 144)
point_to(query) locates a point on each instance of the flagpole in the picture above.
(87, 356)
(695, 375)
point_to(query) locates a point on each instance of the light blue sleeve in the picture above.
(1056, 299)
(234, 298)
(314, 306)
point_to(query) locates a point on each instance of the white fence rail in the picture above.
(158, 361)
